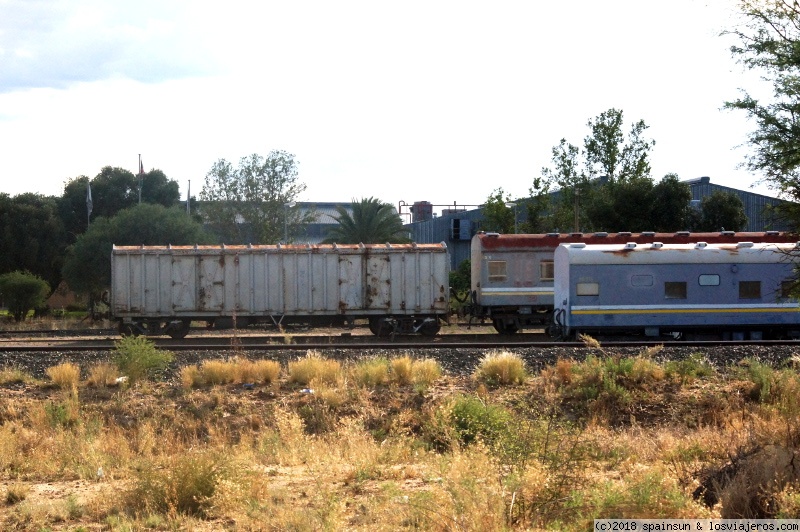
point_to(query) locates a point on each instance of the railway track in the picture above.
(350, 341)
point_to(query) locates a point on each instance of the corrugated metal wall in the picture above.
(440, 230)
(756, 206)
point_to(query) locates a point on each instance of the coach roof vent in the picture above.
(701, 245)
(624, 233)
(601, 234)
(656, 245)
(744, 245)
(576, 234)
(630, 245)
(772, 233)
(727, 233)
(493, 235)
(553, 234)
(583, 245)
(648, 233)
(682, 233)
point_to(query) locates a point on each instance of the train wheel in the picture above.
(430, 328)
(127, 329)
(380, 327)
(504, 328)
(179, 330)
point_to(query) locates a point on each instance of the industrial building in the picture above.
(456, 224)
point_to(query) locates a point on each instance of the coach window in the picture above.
(497, 271)
(675, 290)
(749, 289)
(587, 289)
(708, 280)
(546, 270)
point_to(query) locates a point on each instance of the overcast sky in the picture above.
(443, 101)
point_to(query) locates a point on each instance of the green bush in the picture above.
(476, 420)
(688, 369)
(138, 358)
(23, 292)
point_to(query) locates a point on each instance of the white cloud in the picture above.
(438, 101)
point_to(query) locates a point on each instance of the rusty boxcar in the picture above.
(396, 287)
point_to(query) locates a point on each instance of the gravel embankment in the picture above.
(454, 361)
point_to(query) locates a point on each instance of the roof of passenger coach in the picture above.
(509, 242)
(694, 253)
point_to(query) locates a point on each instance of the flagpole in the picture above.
(88, 203)
(140, 179)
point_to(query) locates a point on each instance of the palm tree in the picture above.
(372, 222)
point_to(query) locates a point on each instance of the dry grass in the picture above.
(394, 444)
(235, 370)
(102, 374)
(501, 368)
(14, 375)
(371, 372)
(64, 375)
(314, 367)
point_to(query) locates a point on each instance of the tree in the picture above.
(769, 42)
(114, 189)
(372, 222)
(498, 216)
(22, 292)
(608, 153)
(605, 185)
(87, 267)
(461, 279)
(32, 236)
(670, 202)
(722, 211)
(256, 202)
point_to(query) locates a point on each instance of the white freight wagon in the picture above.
(397, 287)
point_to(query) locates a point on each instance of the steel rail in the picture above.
(317, 342)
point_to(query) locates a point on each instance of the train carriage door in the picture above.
(350, 281)
(379, 281)
(211, 282)
(183, 283)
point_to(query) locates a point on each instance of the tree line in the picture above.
(46, 239)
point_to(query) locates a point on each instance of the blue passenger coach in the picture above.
(736, 291)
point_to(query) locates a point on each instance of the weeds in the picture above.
(16, 493)
(501, 368)
(354, 445)
(314, 367)
(14, 375)
(102, 374)
(186, 484)
(371, 373)
(138, 358)
(64, 376)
